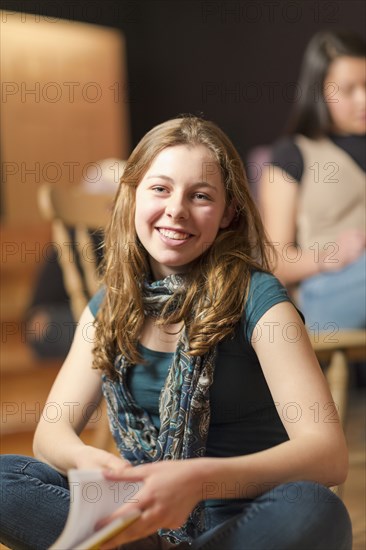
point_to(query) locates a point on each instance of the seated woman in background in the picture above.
(312, 197)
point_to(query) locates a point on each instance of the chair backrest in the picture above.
(352, 342)
(78, 219)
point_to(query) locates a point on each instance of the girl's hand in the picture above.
(351, 244)
(169, 492)
(90, 458)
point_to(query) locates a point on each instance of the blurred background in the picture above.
(236, 62)
(84, 81)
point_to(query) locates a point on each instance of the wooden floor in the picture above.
(354, 490)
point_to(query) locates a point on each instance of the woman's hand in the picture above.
(169, 492)
(88, 457)
(351, 244)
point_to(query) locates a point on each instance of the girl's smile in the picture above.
(173, 236)
(180, 207)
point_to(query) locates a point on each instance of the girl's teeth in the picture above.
(174, 234)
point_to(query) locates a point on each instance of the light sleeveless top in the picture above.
(331, 195)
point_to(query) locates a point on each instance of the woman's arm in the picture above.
(72, 401)
(278, 204)
(278, 197)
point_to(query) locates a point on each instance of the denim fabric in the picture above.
(335, 300)
(34, 503)
(293, 516)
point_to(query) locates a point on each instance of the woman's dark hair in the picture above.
(310, 115)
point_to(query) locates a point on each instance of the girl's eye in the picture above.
(159, 188)
(202, 196)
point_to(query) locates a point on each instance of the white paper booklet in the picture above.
(92, 498)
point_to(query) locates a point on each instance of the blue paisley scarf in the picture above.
(184, 404)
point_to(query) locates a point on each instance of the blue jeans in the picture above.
(335, 300)
(293, 516)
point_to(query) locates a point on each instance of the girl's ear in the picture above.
(228, 216)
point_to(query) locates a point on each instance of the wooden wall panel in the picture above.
(63, 106)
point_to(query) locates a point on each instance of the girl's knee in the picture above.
(11, 465)
(315, 509)
(12, 490)
(309, 496)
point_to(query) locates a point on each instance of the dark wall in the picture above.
(235, 62)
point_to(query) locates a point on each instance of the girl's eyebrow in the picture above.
(197, 184)
(159, 176)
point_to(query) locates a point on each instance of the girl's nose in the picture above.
(176, 207)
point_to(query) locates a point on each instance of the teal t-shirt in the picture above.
(244, 418)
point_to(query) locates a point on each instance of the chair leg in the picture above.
(337, 375)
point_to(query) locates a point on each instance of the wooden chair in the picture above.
(75, 215)
(335, 352)
(73, 209)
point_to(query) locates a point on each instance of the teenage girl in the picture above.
(216, 401)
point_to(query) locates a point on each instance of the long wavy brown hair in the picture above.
(218, 282)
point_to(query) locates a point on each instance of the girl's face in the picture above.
(345, 94)
(180, 207)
